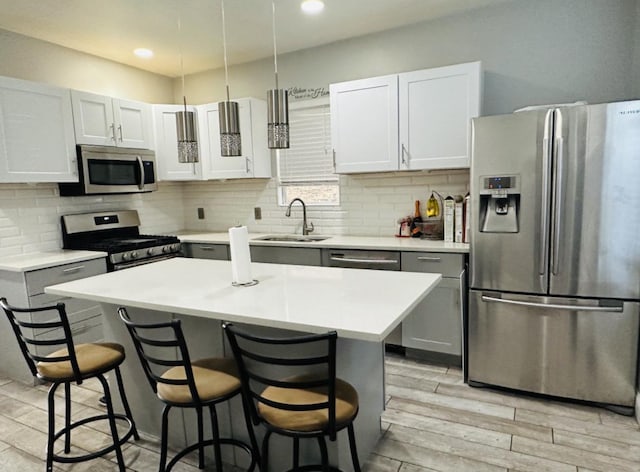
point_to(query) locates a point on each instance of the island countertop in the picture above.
(358, 304)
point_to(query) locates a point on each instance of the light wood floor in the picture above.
(433, 422)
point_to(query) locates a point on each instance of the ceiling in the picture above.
(113, 28)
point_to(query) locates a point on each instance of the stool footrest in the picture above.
(92, 455)
(211, 442)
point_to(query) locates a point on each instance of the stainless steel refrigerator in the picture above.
(555, 252)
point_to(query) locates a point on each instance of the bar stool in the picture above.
(183, 383)
(70, 363)
(295, 403)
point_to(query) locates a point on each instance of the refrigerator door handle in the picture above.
(544, 207)
(555, 306)
(558, 194)
(555, 257)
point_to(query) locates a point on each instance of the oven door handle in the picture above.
(141, 166)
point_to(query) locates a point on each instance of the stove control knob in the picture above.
(150, 252)
(176, 247)
(166, 249)
(134, 254)
(126, 256)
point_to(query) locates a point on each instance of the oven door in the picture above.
(117, 170)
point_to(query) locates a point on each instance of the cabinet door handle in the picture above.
(120, 132)
(72, 269)
(363, 261)
(247, 164)
(402, 151)
(207, 248)
(334, 160)
(79, 329)
(113, 132)
(429, 259)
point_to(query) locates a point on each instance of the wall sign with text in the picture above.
(300, 93)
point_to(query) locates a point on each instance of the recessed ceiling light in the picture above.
(312, 7)
(143, 53)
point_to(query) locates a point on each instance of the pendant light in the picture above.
(185, 121)
(228, 113)
(277, 103)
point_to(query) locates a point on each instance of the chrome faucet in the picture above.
(306, 227)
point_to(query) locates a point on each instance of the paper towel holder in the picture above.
(246, 284)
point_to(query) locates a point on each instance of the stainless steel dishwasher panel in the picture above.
(361, 259)
(573, 348)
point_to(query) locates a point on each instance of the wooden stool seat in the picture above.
(92, 359)
(311, 420)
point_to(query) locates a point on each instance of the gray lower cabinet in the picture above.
(206, 251)
(26, 289)
(436, 323)
(287, 255)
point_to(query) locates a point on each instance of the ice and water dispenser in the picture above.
(499, 203)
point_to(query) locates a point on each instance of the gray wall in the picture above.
(533, 52)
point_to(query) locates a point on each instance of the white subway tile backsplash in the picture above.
(370, 204)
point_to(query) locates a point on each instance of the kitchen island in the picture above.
(362, 306)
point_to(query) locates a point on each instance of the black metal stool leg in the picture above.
(125, 403)
(216, 437)
(264, 466)
(112, 422)
(51, 416)
(67, 417)
(200, 438)
(296, 453)
(324, 454)
(252, 433)
(164, 438)
(352, 447)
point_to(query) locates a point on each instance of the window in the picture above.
(305, 170)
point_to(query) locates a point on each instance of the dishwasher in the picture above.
(364, 259)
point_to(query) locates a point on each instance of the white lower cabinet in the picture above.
(26, 289)
(436, 322)
(37, 143)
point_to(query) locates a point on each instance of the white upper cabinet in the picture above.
(255, 159)
(36, 133)
(436, 107)
(107, 121)
(408, 121)
(364, 124)
(166, 145)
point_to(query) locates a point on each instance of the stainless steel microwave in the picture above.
(107, 169)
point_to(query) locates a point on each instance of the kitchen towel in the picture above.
(240, 255)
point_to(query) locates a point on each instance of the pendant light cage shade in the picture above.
(229, 118)
(278, 119)
(187, 142)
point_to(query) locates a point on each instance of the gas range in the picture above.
(117, 234)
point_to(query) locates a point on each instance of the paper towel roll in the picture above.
(240, 255)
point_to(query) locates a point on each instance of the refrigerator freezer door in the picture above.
(595, 237)
(578, 349)
(514, 151)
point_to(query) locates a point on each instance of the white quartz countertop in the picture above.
(391, 243)
(358, 304)
(42, 260)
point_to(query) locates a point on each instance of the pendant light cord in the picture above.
(224, 48)
(184, 96)
(275, 51)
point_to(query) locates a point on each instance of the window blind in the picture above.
(309, 158)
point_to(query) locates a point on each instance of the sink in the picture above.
(295, 238)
